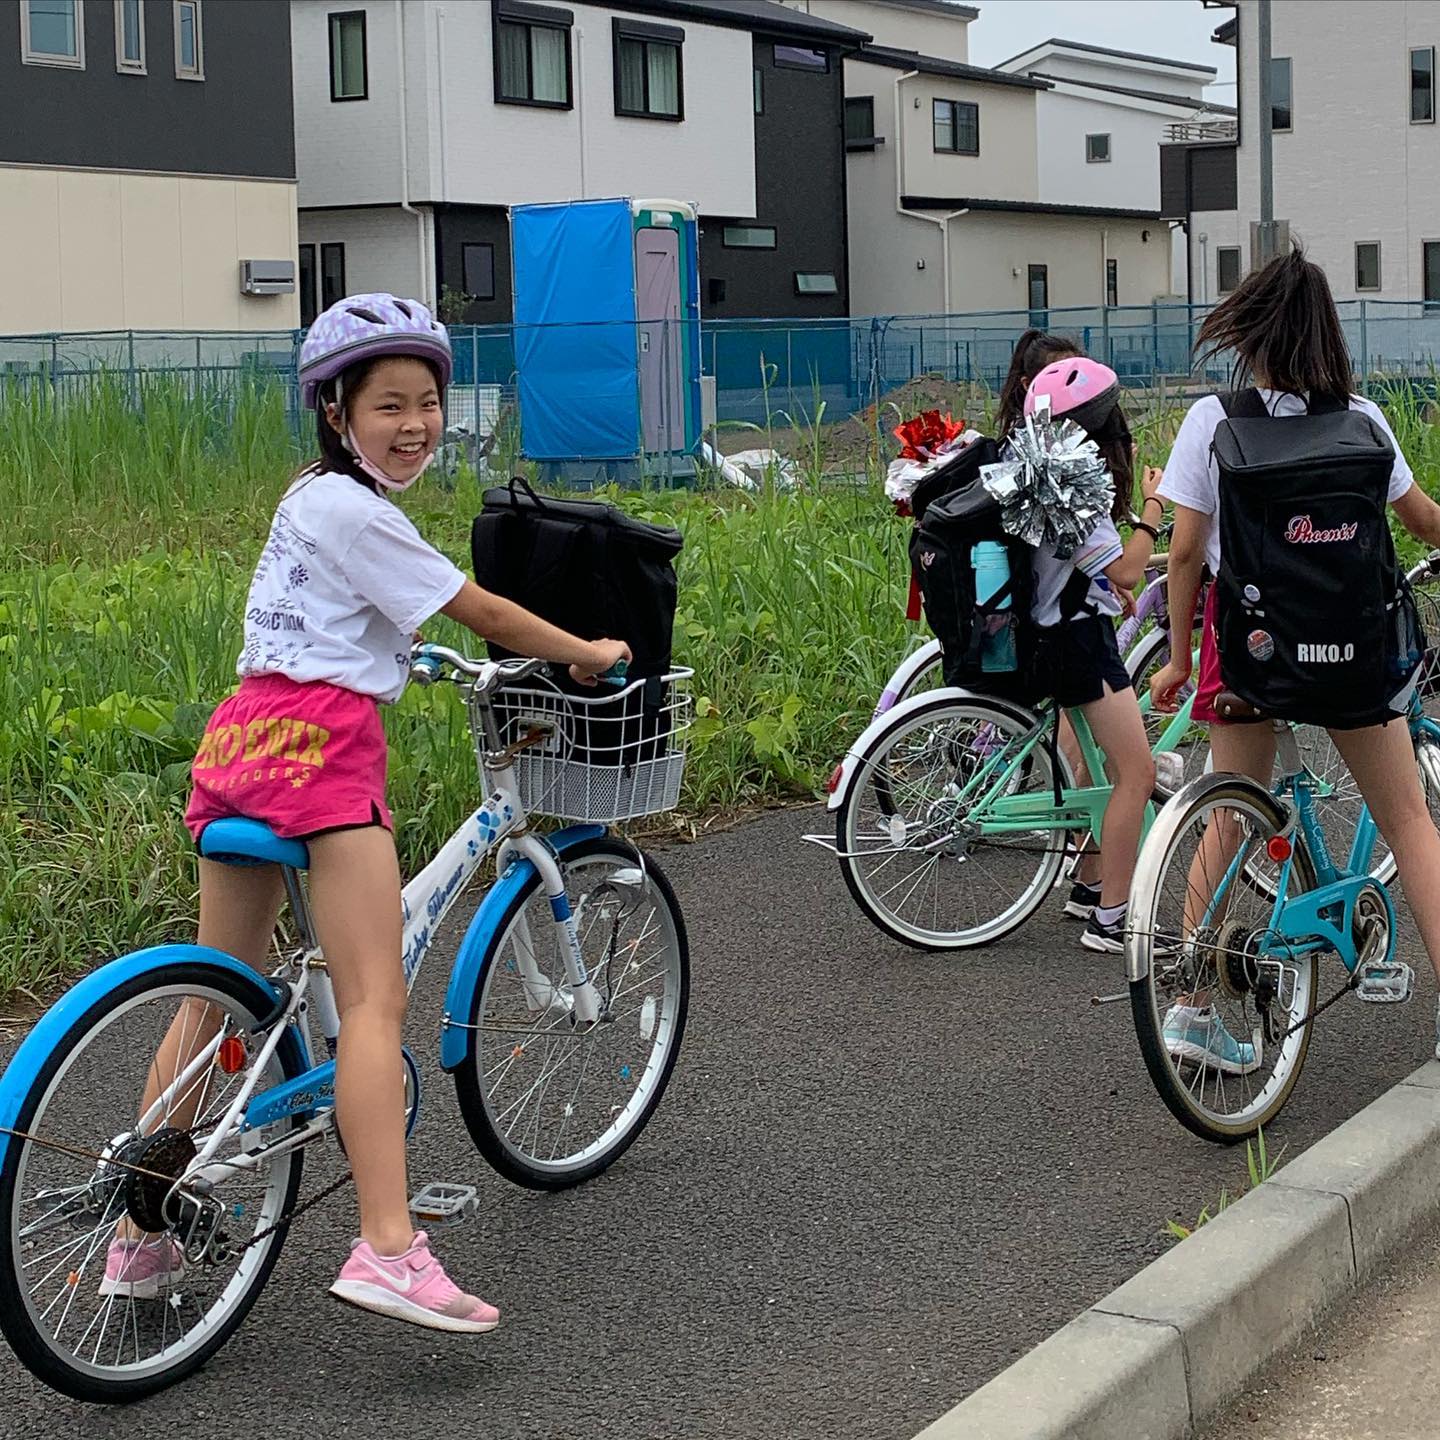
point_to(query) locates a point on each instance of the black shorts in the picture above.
(1077, 659)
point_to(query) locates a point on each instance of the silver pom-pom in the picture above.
(1051, 484)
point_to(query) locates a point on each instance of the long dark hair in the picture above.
(1117, 449)
(1282, 325)
(1034, 350)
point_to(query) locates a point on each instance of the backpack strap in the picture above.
(1328, 405)
(1244, 404)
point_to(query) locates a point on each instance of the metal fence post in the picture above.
(1105, 335)
(1364, 351)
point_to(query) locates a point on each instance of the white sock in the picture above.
(1110, 914)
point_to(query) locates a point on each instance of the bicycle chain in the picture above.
(78, 1154)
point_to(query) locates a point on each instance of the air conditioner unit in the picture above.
(267, 277)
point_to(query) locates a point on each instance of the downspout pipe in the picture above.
(405, 204)
(942, 221)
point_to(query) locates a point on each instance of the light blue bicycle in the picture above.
(562, 1024)
(1236, 898)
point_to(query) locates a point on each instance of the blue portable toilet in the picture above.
(607, 336)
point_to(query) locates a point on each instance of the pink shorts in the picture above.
(1208, 684)
(304, 758)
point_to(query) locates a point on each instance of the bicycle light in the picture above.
(833, 783)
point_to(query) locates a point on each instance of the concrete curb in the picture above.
(1175, 1343)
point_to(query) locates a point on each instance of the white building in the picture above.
(420, 122)
(1356, 146)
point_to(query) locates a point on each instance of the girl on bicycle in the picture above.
(1282, 327)
(342, 585)
(1078, 653)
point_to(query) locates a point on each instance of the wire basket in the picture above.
(608, 757)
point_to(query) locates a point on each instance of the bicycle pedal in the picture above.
(439, 1205)
(1386, 982)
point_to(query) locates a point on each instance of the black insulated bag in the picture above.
(1315, 622)
(600, 574)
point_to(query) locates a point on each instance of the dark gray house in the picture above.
(147, 165)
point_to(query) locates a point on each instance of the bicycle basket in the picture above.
(609, 757)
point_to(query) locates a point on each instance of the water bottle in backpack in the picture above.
(992, 598)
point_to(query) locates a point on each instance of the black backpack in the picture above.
(1314, 620)
(592, 570)
(940, 550)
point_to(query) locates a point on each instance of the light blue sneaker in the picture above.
(1200, 1037)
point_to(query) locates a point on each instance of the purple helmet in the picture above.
(365, 327)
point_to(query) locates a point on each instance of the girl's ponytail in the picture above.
(1034, 350)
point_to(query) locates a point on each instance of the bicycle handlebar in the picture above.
(426, 661)
(1427, 569)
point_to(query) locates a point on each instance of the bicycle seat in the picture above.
(251, 842)
(1235, 711)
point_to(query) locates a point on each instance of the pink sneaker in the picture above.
(412, 1287)
(141, 1269)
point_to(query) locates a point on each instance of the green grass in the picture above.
(133, 521)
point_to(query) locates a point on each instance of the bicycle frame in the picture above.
(1306, 924)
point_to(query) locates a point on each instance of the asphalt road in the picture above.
(877, 1178)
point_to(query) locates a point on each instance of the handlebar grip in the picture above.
(616, 674)
(424, 669)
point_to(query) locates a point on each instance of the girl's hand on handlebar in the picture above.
(603, 654)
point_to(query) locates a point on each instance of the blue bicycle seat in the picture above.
(251, 842)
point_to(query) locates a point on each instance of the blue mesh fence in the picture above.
(780, 370)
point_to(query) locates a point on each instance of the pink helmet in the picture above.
(365, 327)
(1080, 389)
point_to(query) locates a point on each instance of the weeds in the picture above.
(1259, 1165)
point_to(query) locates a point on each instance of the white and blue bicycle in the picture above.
(562, 1023)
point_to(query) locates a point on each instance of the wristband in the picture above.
(1150, 530)
(1152, 500)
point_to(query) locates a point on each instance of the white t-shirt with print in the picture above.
(1192, 477)
(342, 585)
(1101, 549)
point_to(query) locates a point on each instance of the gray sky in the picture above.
(1174, 29)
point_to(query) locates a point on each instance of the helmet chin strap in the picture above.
(375, 472)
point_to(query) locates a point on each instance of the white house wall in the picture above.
(1353, 168)
(1116, 70)
(1220, 229)
(465, 149)
(382, 248)
(990, 253)
(1129, 180)
(945, 37)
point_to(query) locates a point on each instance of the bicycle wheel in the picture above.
(547, 1104)
(1200, 939)
(922, 871)
(106, 1338)
(929, 675)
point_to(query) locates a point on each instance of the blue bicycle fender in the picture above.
(454, 1037)
(24, 1068)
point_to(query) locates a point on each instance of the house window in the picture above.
(1280, 96)
(1432, 272)
(748, 237)
(649, 78)
(532, 55)
(332, 275)
(1227, 268)
(759, 91)
(477, 270)
(189, 42)
(1097, 149)
(349, 74)
(1038, 288)
(307, 286)
(130, 37)
(1422, 86)
(714, 291)
(52, 32)
(812, 282)
(957, 127)
(1112, 282)
(1367, 265)
(860, 122)
(797, 57)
